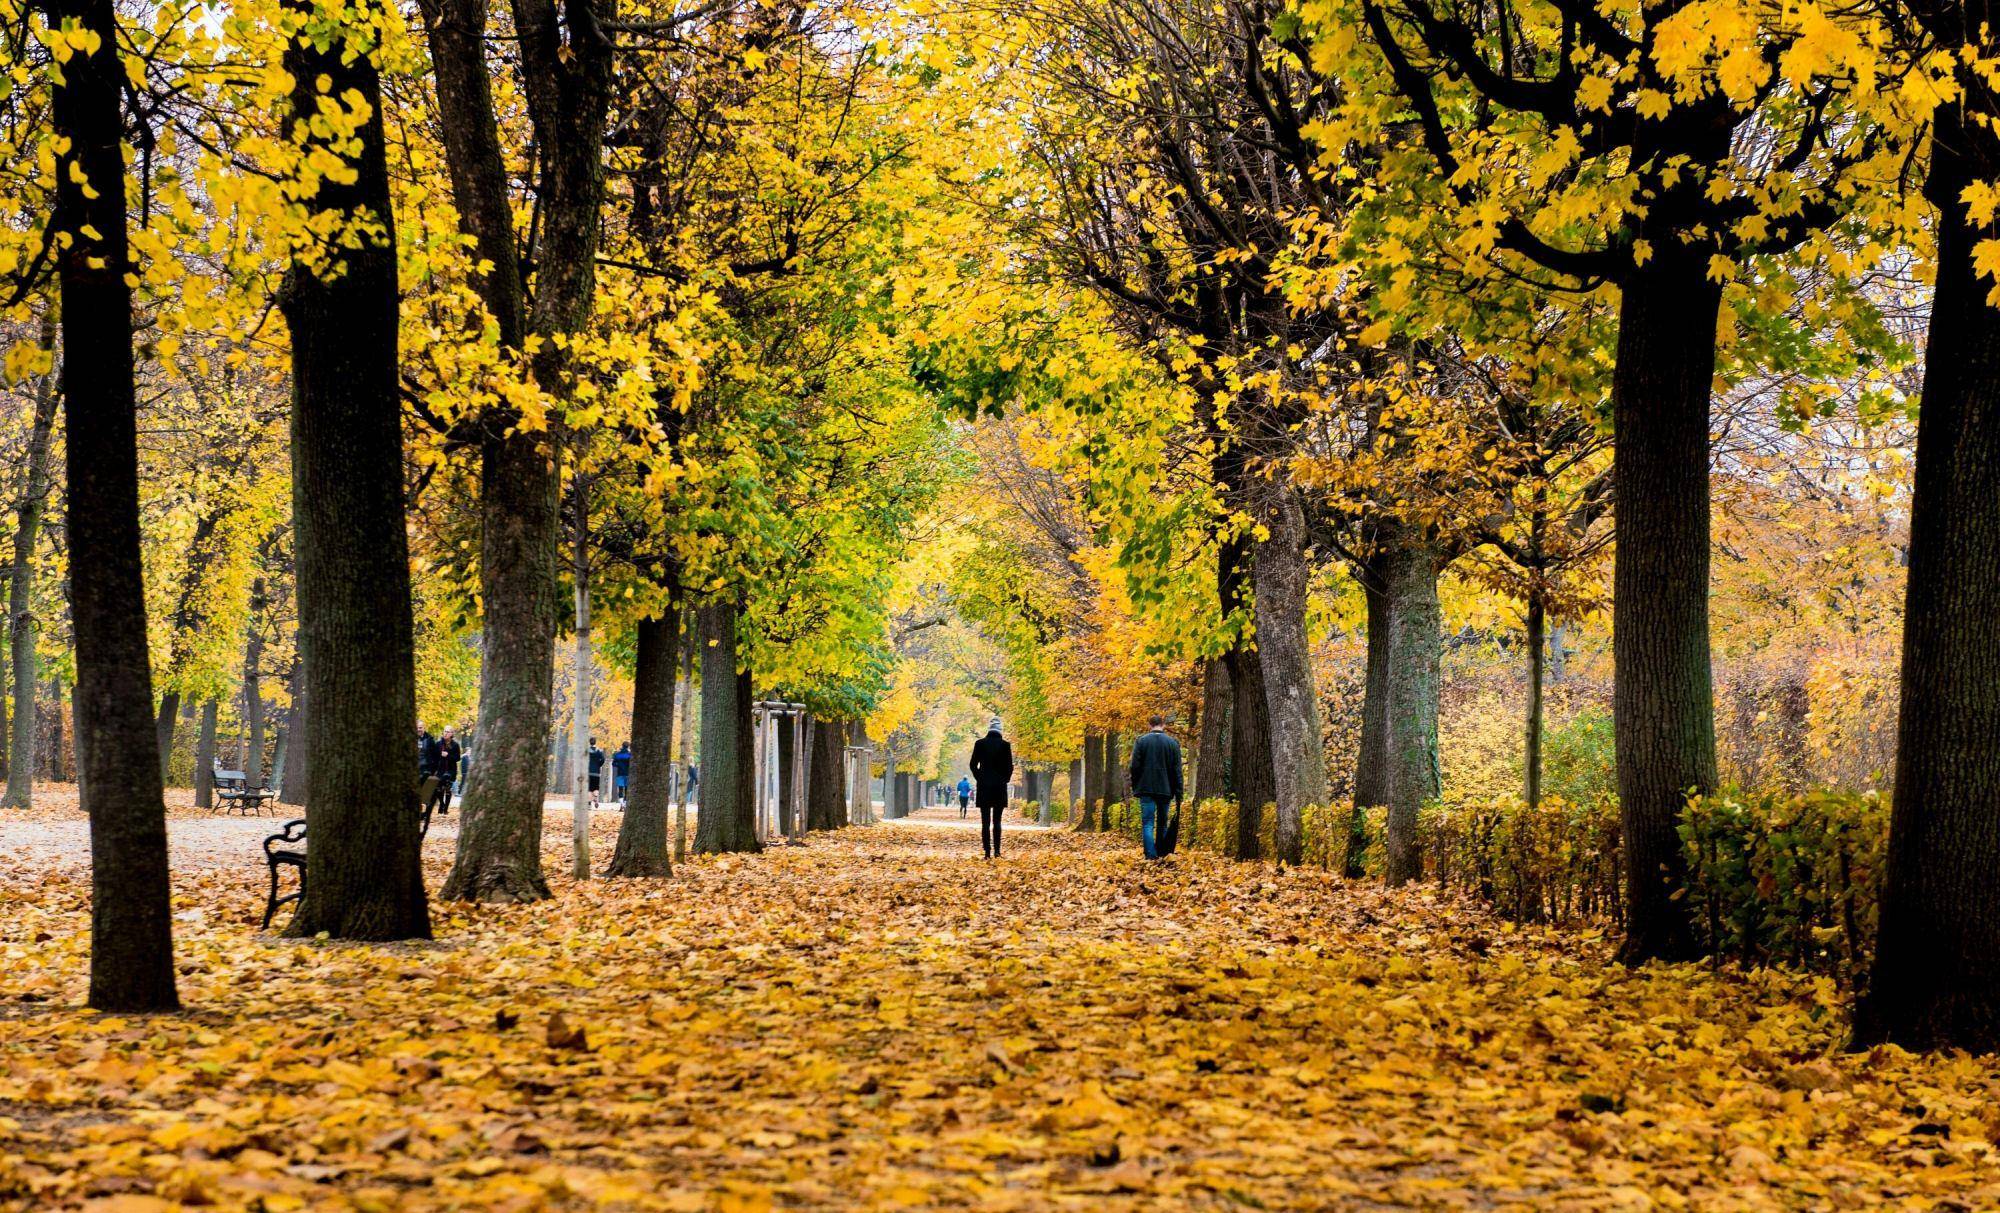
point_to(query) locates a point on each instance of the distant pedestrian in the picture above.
(964, 794)
(596, 766)
(445, 755)
(621, 770)
(1156, 781)
(992, 770)
(426, 751)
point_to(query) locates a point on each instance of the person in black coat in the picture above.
(992, 771)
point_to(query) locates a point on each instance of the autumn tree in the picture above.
(1664, 152)
(1935, 983)
(364, 875)
(132, 966)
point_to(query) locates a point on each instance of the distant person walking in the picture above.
(621, 770)
(992, 770)
(595, 756)
(445, 753)
(964, 794)
(1156, 781)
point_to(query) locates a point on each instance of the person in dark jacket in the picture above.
(445, 753)
(596, 766)
(992, 770)
(621, 770)
(1156, 781)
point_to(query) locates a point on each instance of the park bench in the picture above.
(286, 848)
(232, 788)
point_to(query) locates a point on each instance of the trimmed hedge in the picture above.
(1775, 878)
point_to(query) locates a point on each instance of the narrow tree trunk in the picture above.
(1410, 700)
(1663, 701)
(364, 873)
(1211, 768)
(1371, 756)
(1112, 780)
(21, 586)
(1076, 793)
(1558, 653)
(1297, 751)
(1531, 757)
(1093, 781)
(825, 807)
(642, 835)
(579, 730)
(1935, 984)
(689, 643)
(204, 759)
(728, 818)
(253, 689)
(131, 929)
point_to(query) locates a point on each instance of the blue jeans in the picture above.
(1152, 815)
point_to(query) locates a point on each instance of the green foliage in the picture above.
(1557, 863)
(1578, 762)
(1786, 879)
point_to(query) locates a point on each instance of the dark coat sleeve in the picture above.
(1174, 766)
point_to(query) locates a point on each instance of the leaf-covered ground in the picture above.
(881, 1019)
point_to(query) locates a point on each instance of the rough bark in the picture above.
(1112, 779)
(1211, 768)
(728, 818)
(1410, 699)
(1298, 757)
(1371, 755)
(364, 874)
(204, 758)
(1935, 982)
(826, 808)
(1663, 700)
(131, 932)
(1075, 789)
(1093, 781)
(1250, 713)
(21, 587)
(642, 836)
(499, 842)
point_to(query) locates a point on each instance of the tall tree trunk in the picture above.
(1298, 753)
(1663, 700)
(281, 751)
(1093, 781)
(500, 830)
(253, 688)
(688, 644)
(1211, 767)
(579, 728)
(1410, 701)
(642, 835)
(1111, 790)
(826, 772)
(131, 928)
(1935, 983)
(21, 585)
(1250, 762)
(1531, 757)
(1076, 793)
(728, 817)
(364, 873)
(204, 759)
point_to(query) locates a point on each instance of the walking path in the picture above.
(880, 1019)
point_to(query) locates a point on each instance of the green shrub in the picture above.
(1787, 879)
(1579, 763)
